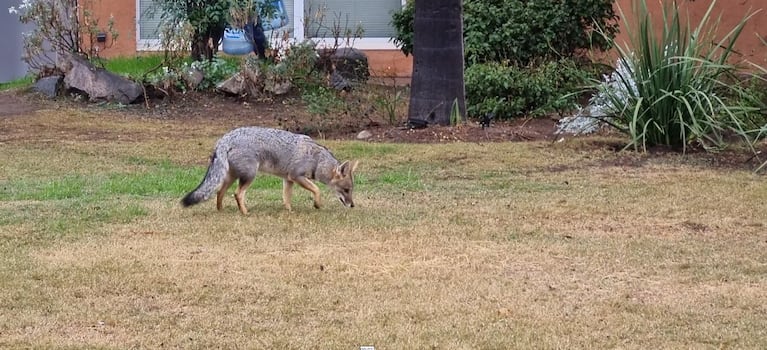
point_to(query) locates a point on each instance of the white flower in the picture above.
(12, 10)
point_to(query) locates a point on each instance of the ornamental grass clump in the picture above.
(677, 87)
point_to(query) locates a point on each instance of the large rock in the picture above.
(252, 81)
(236, 85)
(277, 86)
(277, 83)
(338, 82)
(49, 86)
(97, 83)
(242, 83)
(351, 63)
(349, 66)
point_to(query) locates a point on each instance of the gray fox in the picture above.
(241, 153)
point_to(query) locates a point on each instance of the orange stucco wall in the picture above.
(390, 66)
(749, 46)
(124, 13)
(392, 63)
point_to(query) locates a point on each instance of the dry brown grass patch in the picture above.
(454, 246)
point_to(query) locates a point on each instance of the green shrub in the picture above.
(676, 87)
(215, 71)
(300, 65)
(207, 19)
(508, 91)
(321, 100)
(171, 74)
(522, 31)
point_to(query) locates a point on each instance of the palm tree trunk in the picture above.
(437, 61)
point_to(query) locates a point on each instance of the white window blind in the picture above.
(148, 20)
(374, 16)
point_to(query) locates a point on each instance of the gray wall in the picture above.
(11, 43)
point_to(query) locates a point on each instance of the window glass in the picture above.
(374, 16)
(149, 20)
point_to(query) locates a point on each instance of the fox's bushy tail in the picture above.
(214, 177)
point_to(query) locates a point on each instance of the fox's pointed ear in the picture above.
(339, 170)
(346, 168)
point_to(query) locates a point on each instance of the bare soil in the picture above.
(13, 104)
(290, 113)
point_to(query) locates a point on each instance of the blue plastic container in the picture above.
(236, 42)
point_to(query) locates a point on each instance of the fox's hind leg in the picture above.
(287, 193)
(239, 196)
(228, 180)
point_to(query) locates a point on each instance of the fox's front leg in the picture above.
(287, 193)
(311, 187)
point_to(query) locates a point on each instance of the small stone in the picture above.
(364, 135)
(193, 77)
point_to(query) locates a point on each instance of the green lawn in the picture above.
(15, 84)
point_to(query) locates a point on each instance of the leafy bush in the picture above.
(207, 18)
(388, 100)
(300, 61)
(523, 31)
(508, 91)
(520, 54)
(172, 77)
(215, 71)
(321, 100)
(677, 88)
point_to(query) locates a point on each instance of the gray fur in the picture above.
(241, 153)
(219, 167)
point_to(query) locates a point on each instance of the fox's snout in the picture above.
(347, 202)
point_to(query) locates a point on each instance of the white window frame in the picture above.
(144, 44)
(360, 43)
(298, 33)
